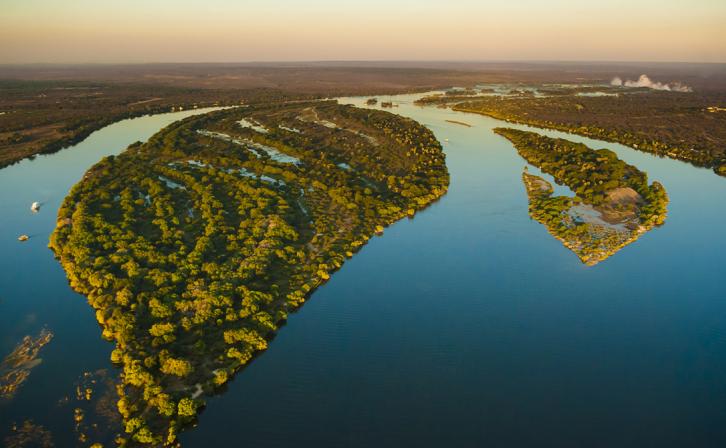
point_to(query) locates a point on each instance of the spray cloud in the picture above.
(645, 81)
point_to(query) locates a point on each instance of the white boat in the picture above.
(35, 207)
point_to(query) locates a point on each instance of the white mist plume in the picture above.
(645, 81)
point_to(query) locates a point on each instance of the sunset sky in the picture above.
(282, 30)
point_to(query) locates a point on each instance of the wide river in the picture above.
(467, 326)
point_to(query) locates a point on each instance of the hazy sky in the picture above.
(275, 30)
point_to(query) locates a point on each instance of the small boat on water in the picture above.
(23, 238)
(35, 207)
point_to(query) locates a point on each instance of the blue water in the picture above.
(466, 326)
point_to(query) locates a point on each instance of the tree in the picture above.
(187, 407)
(178, 367)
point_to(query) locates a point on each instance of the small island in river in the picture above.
(461, 123)
(613, 204)
(194, 247)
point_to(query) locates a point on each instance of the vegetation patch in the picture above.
(29, 434)
(16, 367)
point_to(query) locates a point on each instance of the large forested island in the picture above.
(194, 247)
(613, 203)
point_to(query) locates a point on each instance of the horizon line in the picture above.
(367, 61)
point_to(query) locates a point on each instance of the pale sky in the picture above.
(105, 31)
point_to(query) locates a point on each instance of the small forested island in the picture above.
(194, 247)
(461, 123)
(442, 100)
(613, 203)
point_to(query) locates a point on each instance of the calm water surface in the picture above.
(467, 326)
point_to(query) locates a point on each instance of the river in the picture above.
(466, 326)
